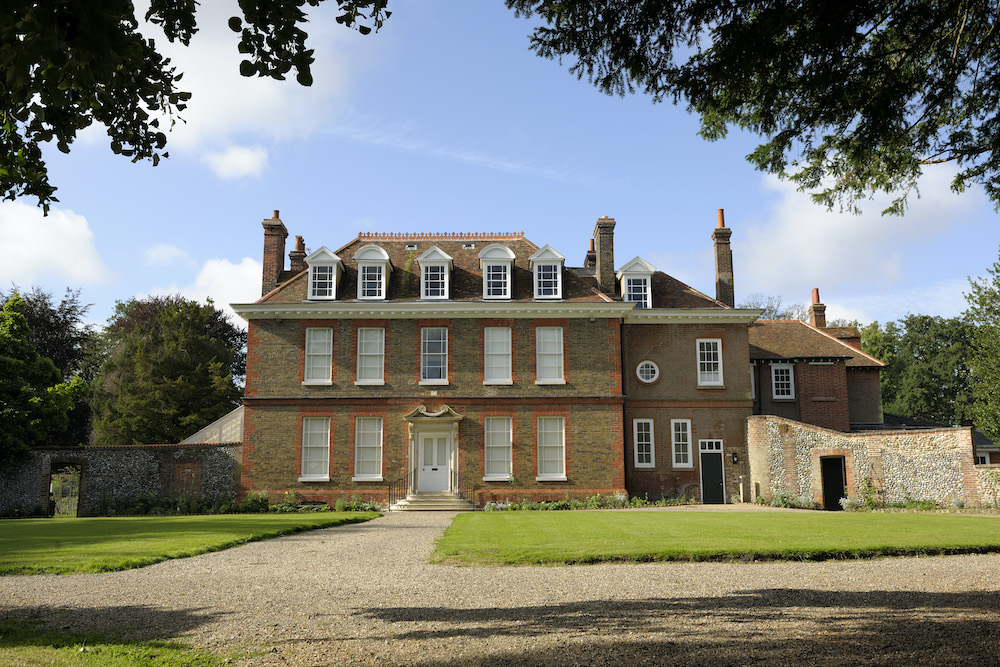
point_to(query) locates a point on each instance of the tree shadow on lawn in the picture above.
(775, 626)
(128, 623)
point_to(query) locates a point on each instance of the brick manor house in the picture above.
(483, 366)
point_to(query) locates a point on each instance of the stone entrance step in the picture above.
(440, 501)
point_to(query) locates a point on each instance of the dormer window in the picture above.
(636, 279)
(324, 274)
(497, 263)
(546, 268)
(435, 273)
(373, 272)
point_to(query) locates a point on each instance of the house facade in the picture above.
(483, 364)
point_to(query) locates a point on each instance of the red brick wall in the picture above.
(864, 394)
(822, 392)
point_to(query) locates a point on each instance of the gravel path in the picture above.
(364, 594)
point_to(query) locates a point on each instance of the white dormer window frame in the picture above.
(497, 264)
(435, 274)
(325, 269)
(636, 278)
(546, 271)
(373, 273)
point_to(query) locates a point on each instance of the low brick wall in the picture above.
(118, 474)
(899, 465)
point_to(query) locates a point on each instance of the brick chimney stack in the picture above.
(590, 259)
(604, 249)
(724, 291)
(817, 311)
(297, 257)
(274, 252)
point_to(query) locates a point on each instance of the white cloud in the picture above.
(224, 283)
(225, 105)
(165, 254)
(238, 161)
(803, 245)
(36, 248)
(946, 299)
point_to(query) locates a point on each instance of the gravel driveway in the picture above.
(364, 594)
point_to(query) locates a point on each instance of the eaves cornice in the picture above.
(333, 310)
(692, 316)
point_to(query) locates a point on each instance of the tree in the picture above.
(927, 367)
(773, 307)
(852, 97)
(72, 63)
(984, 311)
(33, 400)
(59, 333)
(170, 368)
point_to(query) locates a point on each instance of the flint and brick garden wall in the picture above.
(899, 465)
(116, 475)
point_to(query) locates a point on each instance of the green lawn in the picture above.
(496, 538)
(71, 545)
(26, 642)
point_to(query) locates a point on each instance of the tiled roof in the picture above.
(466, 281)
(795, 339)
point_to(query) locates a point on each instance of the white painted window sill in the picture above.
(498, 382)
(433, 383)
(370, 383)
(552, 478)
(366, 478)
(684, 466)
(645, 466)
(550, 381)
(505, 478)
(711, 386)
(324, 478)
(317, 383)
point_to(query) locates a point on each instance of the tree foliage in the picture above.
(774, 308)
(927, 367)
(72, 63)
(852, 97)
(170, 368)
(58, 332)
(34, 401)
(984, 311)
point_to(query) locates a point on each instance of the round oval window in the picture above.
(647, 371)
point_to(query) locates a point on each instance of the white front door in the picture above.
(435, 453)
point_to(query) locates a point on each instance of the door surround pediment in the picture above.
(446, 415)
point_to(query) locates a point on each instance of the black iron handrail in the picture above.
(399, 489)
(466, 489)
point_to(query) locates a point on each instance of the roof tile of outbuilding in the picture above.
(795, 339)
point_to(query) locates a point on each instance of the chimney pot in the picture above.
(817, 311)
(275, 216)
(590, 247)
(815, 295)
(722, 218)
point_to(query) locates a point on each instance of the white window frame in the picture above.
(656, 371)
(497, 349)
(790, 395)
(553, 268)
(681, 445)
(982, 459)
(497, 257)
(378, 333)
(705, 377)
(551, 432)
(318, 364)
(363, 428)
(643, 303)
(547, 257)
(643, 438)
(362, 293)
(324, 259)
(550, 366)
(315, 436)
(372, 257)
(425, 283)
(328, 284)
(425, 356)
(498, 446)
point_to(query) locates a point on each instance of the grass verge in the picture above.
(28, 642)
(107, 544)
(532, 538)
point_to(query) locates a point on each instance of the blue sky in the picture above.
(445, 121)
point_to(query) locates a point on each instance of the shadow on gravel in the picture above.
(776, 626)
(116, 622)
